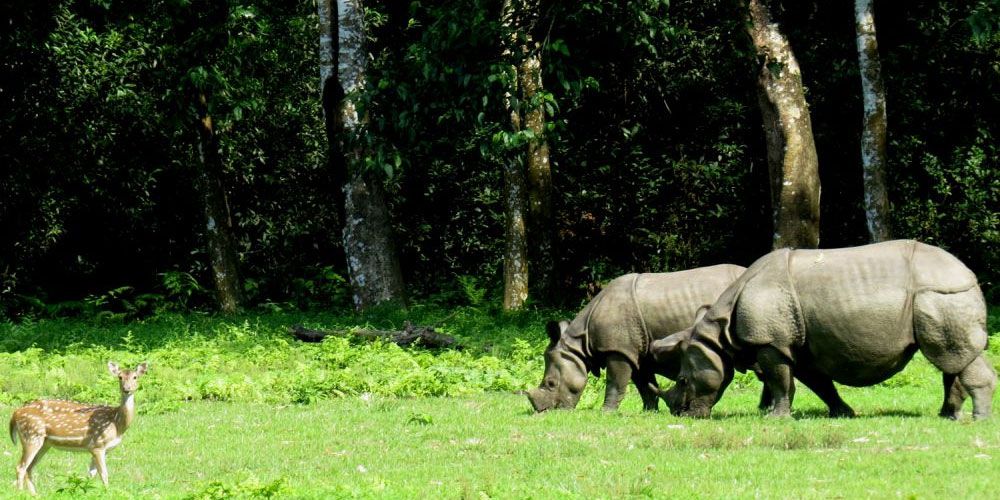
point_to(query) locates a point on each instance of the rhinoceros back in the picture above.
(635, 309)
(669, 301)
(875, 281)
(857, 303)
(862, 289)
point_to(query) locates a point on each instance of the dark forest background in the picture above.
(658, 155)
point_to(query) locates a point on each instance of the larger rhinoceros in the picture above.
(852, 315)
(616, 329)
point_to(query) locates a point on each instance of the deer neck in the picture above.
(125, 413)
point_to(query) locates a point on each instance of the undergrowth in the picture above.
(253, 359)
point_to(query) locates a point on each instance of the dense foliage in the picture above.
(657, 149)
(942, 83)
(253, 358)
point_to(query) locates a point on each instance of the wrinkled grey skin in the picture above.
(853, 315)
(609, 333)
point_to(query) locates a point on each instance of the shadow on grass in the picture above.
(812, 413)
(819, 413)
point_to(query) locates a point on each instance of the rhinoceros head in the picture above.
(565, 372)
(705, 372)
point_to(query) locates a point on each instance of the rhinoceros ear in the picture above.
(670, 346)
(701, 312)
(555, 329)
(724, 334)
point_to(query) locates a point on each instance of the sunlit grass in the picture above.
(371, 444)
(492, 445)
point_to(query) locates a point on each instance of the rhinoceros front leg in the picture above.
(979, 380)
(823, 386)
(777, 372)
(619, 375)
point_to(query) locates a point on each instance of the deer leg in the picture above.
(34, 462)
(92, 471)
(29, 449)
(102, 467)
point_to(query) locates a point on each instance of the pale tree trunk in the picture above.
(515, 262)
(218, 222)
(372, 262)
(539, 178)
(791, 151)
(873, 135)
(331, 95)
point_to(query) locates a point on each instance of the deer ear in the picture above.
(113, 368)
(142, 368)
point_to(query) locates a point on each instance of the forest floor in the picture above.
(216, 421)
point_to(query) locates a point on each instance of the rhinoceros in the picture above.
(852, 315)
(616, 329)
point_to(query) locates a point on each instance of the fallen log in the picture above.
(421, 335)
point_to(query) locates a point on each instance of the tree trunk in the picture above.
(368, 242)
(873, 136)
(539, 180)
(372, 262)
(331, 95)
(219, 224)
(791, 152)
(515, 262)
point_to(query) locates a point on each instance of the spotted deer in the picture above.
(73, 426)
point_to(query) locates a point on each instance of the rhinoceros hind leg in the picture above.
(619, 374)
(648, 389)
(777, 373)
(823, 386)
(766, 403)
(979, 380)
(949, 328)
(766, 399)
(954, 396)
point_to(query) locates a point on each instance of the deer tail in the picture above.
(13, 431)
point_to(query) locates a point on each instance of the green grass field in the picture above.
(204, 431)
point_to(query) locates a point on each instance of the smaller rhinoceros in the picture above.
(853, 315)
(616, 329)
